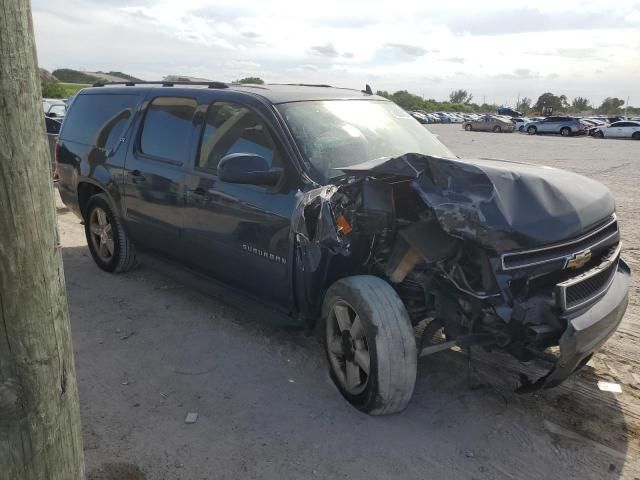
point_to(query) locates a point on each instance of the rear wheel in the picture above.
(636, 135)
(565, 131)
(108, 243)
(532, 130)
(370, 344)
(468, 127)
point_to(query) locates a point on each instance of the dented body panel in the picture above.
(503, 255)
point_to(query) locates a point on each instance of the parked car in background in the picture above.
(52, 126)
(444, 117)
(623, 129)
(520, 122)
(565, 126)
(54, 107)
(509, 112)
(591, 125)
(422, 118)
(489, 123)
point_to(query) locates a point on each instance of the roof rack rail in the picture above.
(322, 85)
(164, 83)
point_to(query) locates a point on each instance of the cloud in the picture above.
(411, 50)
(525, 19)
(326, 50)
(497, 49)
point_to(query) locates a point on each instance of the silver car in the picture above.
(565, 126)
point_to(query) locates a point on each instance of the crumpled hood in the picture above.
(500, 204)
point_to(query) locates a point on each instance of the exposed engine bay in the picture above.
(500, 255)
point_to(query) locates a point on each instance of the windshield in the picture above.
(340, 133)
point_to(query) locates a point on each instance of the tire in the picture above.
(521, 128)
(598, 134)
(468, 127)
(532, 130)
(384, 331)
(636, 135)
(108, 242)
(497, 129)
(565, 131)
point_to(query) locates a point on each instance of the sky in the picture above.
(498, 50)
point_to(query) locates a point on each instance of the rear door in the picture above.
(155, 172)
(237, 232)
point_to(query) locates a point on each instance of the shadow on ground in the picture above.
(151, 348)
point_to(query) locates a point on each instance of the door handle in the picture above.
(137, 176)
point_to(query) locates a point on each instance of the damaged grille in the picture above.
(590, 285)
(561, 253)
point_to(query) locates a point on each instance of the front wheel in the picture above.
(497, 129)
(532, 130)
(598, 134)
(565, 131)
(636, 135)
(109, 244)
(468, 127)
(521, 128)
(370, 344)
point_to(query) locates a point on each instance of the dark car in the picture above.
(509, 112)
(52, 126)
(307, 198)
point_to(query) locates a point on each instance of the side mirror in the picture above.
(52, 115)
(247, 168)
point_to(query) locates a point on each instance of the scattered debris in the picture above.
(127, 335)
(291, 380)
(169, 287)
(192, 417)
(609, 387)
(469, 454)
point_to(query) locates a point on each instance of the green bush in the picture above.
(53, 90)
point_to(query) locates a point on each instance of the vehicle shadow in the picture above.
(262, 392)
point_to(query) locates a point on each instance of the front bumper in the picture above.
(587, 330)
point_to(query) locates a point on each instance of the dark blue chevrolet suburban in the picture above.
(337, 207)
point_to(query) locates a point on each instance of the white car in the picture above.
(623, 129)
(520, 122)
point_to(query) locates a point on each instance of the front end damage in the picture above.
(502, 255)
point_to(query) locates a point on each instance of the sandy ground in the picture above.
(150, 348)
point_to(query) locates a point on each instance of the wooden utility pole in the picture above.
(40, 435)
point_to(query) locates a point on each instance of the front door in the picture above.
(155, 173)
(236, 232)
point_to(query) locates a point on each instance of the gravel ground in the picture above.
(152, 346)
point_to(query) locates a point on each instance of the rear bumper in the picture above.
(587, 330)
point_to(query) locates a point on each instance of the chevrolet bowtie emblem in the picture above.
(579, 259)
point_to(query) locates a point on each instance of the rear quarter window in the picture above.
(99, 120)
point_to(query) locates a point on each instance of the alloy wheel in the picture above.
(348, 348)
(101, 234)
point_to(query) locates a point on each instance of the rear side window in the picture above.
(167, 129)
(232, 128)
(99, 120)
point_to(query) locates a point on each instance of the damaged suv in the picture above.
(338, 208)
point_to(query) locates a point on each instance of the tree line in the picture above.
(462, 101)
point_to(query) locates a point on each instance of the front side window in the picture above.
(341, 133)
(233, 128)
(168, 128)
